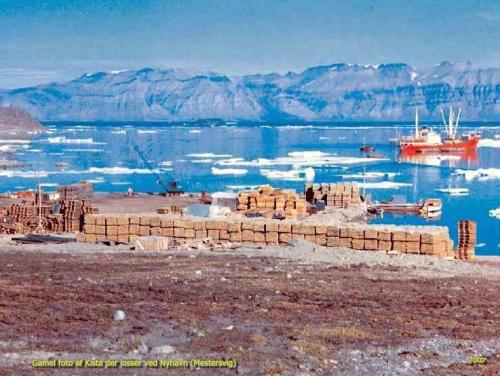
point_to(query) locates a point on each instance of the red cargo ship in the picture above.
(428, 141)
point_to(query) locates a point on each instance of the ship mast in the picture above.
(452, 126)
(456, 123)
(444, 122)
(416, 121)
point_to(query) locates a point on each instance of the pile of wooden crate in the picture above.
(466, 240)
(333, 194)
(287, 202)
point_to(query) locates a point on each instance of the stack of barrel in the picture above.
(73, 212)
(466, 240)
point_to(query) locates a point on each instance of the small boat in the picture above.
(454, 191)
(366, 148)
(62, 165)
(431, 205)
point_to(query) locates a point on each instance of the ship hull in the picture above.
(448, 146)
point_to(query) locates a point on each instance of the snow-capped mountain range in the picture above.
(337, 92)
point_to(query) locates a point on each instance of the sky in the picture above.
(58, 40)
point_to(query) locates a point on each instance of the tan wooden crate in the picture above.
(371, 244)
(247, 235)
(384, 235)
(285, 227)
(133, 229)
(272, 237)
(358, 243)
(384, 245)
(144, 230)
(321, 239)
(371, 233)
(285, 237)
(259, 237)
(272, 227)
(321, 230)
(214, 234)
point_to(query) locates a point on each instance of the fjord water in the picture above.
(238, 156)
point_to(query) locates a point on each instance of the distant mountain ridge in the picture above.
(336, 92)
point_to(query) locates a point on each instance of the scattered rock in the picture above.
(163, 349)
(143, 348)
(118, 315)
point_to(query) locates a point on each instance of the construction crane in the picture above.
(170, 189)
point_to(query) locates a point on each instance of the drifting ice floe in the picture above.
(292, 175)
(228, 171)
(495, 213)
(12, 148)
(242, 187)
(489, 143)
(95, 181)
(384, 185)
(371, 175)
(64, 140)
(23, 174)
(14, 141)
(202, 160)
(480, 173)
(300, 159)
(208, 155)
(83, 151)
(120, 170)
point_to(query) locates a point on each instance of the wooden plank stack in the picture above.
(466, 240)
(179, 210)
(20, 212)
(81, 191)
(428, 240)
(334, 194)
(73, 212)
(287, 202)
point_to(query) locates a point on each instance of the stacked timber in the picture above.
(26, 210)
(73, 212)
(333, 194)
(173, 209)
(466, 240)
(428, 240)
(81, 191)
(287, 202)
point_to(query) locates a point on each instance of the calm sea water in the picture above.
(233, 157)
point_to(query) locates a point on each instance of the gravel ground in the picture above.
(294, 310)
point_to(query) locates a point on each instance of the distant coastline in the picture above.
(221, 123)
(335, 93)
